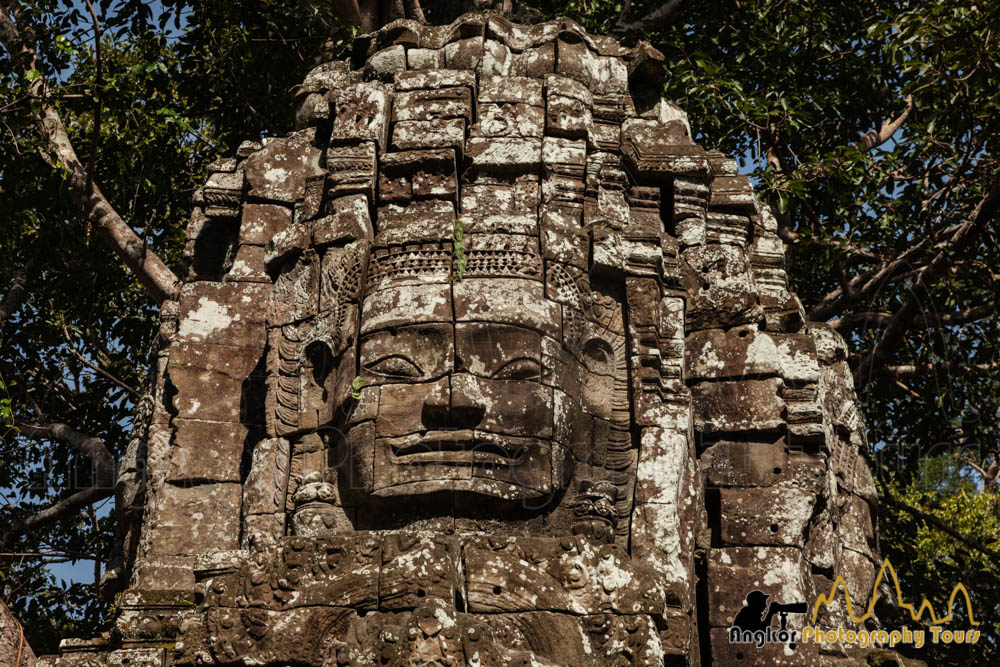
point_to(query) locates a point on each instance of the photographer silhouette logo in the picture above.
(752, 623)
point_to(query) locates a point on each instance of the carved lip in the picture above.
(462, 447)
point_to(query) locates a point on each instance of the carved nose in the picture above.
(454, 403)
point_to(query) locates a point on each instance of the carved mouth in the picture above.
(456, 448)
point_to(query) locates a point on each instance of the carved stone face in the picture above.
(476, 389)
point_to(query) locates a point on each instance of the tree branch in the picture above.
(94, 367)
(659, 15)
(870, 320)
(349, 12)
(877, 277)
(373, 14)
(95, 136)
(154, 275)
(989, 474)
(942, 526)
(866, 282)
(903, 318)
(908, 370)
(873, 139)
(18, 290)
(94, 449)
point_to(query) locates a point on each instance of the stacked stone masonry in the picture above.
(487, 363)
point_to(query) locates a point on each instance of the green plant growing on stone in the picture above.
(356, 385)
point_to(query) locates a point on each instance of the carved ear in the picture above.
(320, 357)
(598, 356)
(315, 395)
(598, 382)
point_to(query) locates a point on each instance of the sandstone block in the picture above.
(750, 405)
(207, 451)
(227, 314)
(262, 221)
(279, 171)
(783, 524)
(756, 464)
(189, 518)
(775, 571)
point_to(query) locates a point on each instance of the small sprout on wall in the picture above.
(459, 249)
(356, 385)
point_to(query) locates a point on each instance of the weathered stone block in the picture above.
(279, 171)
(249, 265)
(722, 294)
(413, 134)
(418, 175)
(236, 362)
(744, 463)
(566, 244)
(511, 90)
(351, 169)
(750, 405)
(191, 518)
(433, 105)
(264, 489)
(656, 150)
(504, 154)
(361, 114)
(440, 78)
(424, 59)
(430, 220)
(783, 524)
(395, 306)
(660, 477)
(464, 54)
(508, 120)
(658, 537)
(222, 313)
(349, 220)
(208, 451)
(508, 301)
(387, 63)
(262, 221)
(213, 396)
(747, 352)
(775, 571)
(161, 572)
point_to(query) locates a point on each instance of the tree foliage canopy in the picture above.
(872, 131)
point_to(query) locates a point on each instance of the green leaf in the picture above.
(32, 74)
(782, 202)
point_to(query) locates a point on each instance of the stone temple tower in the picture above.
(488, 363)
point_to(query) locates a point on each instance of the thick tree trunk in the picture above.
(14, 650)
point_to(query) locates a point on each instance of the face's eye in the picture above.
(519, 369)
(395, 366)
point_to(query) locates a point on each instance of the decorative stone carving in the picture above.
(494, 350)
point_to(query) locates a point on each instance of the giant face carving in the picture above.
(505, 383)
(471, 292)
(488, 384)
(477, 386)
